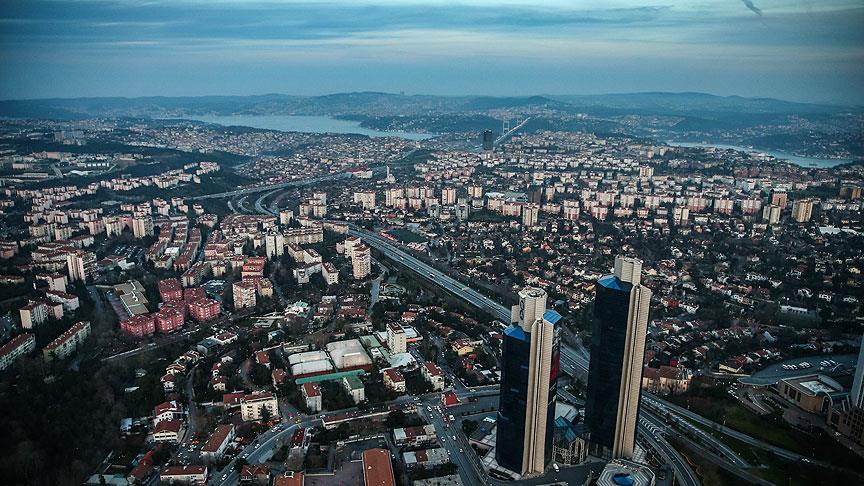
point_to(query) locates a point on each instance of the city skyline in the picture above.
(800, 52)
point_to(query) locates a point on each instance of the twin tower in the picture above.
(529, 372)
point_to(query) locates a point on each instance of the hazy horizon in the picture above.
(798, 51)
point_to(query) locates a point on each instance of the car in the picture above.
(554, 466)
(224, 476)
(460, 450)
(454, 437)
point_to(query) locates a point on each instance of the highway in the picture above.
(271, 187)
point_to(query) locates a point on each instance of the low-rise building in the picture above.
(253, 406)
(214, 448)
(394, 380)
(168, 431)
(434, 375)
(312, 393)
(184, 475)
(68, 342)
(422, 434)
(17, 347)
(377, 468)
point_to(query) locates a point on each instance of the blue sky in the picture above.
(805, 50)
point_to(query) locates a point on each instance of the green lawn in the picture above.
(406, 236)
(771, 429)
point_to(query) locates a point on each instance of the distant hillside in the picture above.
(688, 103)
(699, 105)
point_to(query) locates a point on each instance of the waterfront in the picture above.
(777, 154)
(303, 123)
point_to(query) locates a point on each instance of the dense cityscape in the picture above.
(378, 310)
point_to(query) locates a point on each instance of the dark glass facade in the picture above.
(515, 362)
(608, 339)
(510, 438)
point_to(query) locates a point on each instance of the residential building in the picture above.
(361, 261)
(396, 338)
(330, 273)
(354, 386)
(15, 348)
(142, 226)
(802, 210)
(184, 475)
(252, 406)
(617, 348)
(81, 265)
(312, 394)
(244, 294)
(394, 380)
(140, 325)
(434, 375)
(168, 431)
(214, 448)
(68, 342)
(666, 380)
(33, 314)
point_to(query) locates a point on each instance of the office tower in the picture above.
(771, 214)
(529, 376)
(856, 394)
(488, 140)
(802, 210)
(617, 350)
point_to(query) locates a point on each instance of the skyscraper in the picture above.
(856, 394)
(529, 376)
(488, 140)
(617, 350)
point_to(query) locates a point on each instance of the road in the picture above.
(271, 187)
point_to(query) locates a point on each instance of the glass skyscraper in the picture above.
(529, 374)
(617, 351)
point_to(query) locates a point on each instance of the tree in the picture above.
(395, 419)
(265, 414)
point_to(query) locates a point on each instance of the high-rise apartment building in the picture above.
(81, 265)
(274, 244)
(802, 210)
(529, 376)
(530, 212)
(771, 214)
(617, 350)
(361, 261)
(142, 226)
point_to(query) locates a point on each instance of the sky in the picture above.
(800, 50)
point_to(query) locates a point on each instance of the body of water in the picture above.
(303, 123)
(778, 154)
